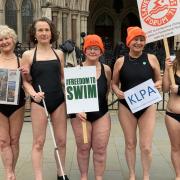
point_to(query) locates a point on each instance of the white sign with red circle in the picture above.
(159, 18)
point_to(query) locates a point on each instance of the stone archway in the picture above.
(130, 20)
(104, 27)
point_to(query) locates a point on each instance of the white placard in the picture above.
(9, 86)
(81, 89)
(159, 19)
(142, 96)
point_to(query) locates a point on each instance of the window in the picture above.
(118, 5)
(27, 17)
(11, 14)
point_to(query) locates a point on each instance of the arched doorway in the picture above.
(104, 27)
(11, 14)
(130, 20)
(27, 17)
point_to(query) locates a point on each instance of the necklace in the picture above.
(132, 59)
(7, 58)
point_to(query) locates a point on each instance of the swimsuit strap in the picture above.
(18, 61)
(102, 70)
(34, 57)
(55, 54)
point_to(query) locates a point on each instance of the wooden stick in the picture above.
(52, 133)
(171, 73)
(84, 127)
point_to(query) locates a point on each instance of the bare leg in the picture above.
(16, 123)
(100, 138)
(83, 150)
(129, 125)
(39, 125)
(59, 122)
(146, 125)
(5, 148)
(173, 128)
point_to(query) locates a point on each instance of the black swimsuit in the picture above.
(133, 73)
(8, 110)
(171, 114)
(47, 75)
(102, 92)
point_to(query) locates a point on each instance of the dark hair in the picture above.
(32, 30)
(176, 64)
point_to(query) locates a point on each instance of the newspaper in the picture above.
(9, 86)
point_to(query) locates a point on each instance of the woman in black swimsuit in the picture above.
(11, 116)
(98, 123)
(130, 70)
(172, 117)
(46, 69)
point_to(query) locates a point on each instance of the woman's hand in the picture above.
(37, 97)
(174, 88)
(24, 70)
(120, 94)
(168, 63)
(81, 116)
(158, 85)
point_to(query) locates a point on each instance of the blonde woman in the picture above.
(11, 116)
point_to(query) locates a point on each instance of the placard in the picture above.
(9, 86)
(142, 96)
(159, 19)
(81, 89)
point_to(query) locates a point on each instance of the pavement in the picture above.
(116, 168)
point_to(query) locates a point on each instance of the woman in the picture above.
(46, 69)
(11, 116)
(129, 71)
(98, 123)
(172, 118)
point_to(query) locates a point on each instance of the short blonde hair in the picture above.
(6, 31)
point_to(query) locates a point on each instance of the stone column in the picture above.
(2, 16)
(74, 27)
(64, 27)
(59, 26)
(177, 42)
(19, 26)
(69, 26)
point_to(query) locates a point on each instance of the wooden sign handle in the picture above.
(171, 73)
(84, 127)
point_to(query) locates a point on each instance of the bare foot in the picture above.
(11, 177)
(146, 178)
(132, 177)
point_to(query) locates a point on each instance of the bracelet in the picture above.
(33, 96)
(178, 92)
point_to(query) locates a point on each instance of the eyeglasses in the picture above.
(94, 48)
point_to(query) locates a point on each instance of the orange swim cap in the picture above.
(132, 32)
(93, 40)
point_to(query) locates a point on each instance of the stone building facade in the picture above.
(108, 18)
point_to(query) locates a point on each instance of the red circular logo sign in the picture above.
(158, 12)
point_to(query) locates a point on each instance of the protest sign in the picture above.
(81, 89)
(142, 96)
(159, 19)
(9, 86)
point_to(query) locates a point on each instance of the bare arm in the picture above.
(108, 76)
(61, 57)
(26, 65)
(157, 72)
(115, 79)
(166, 78)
